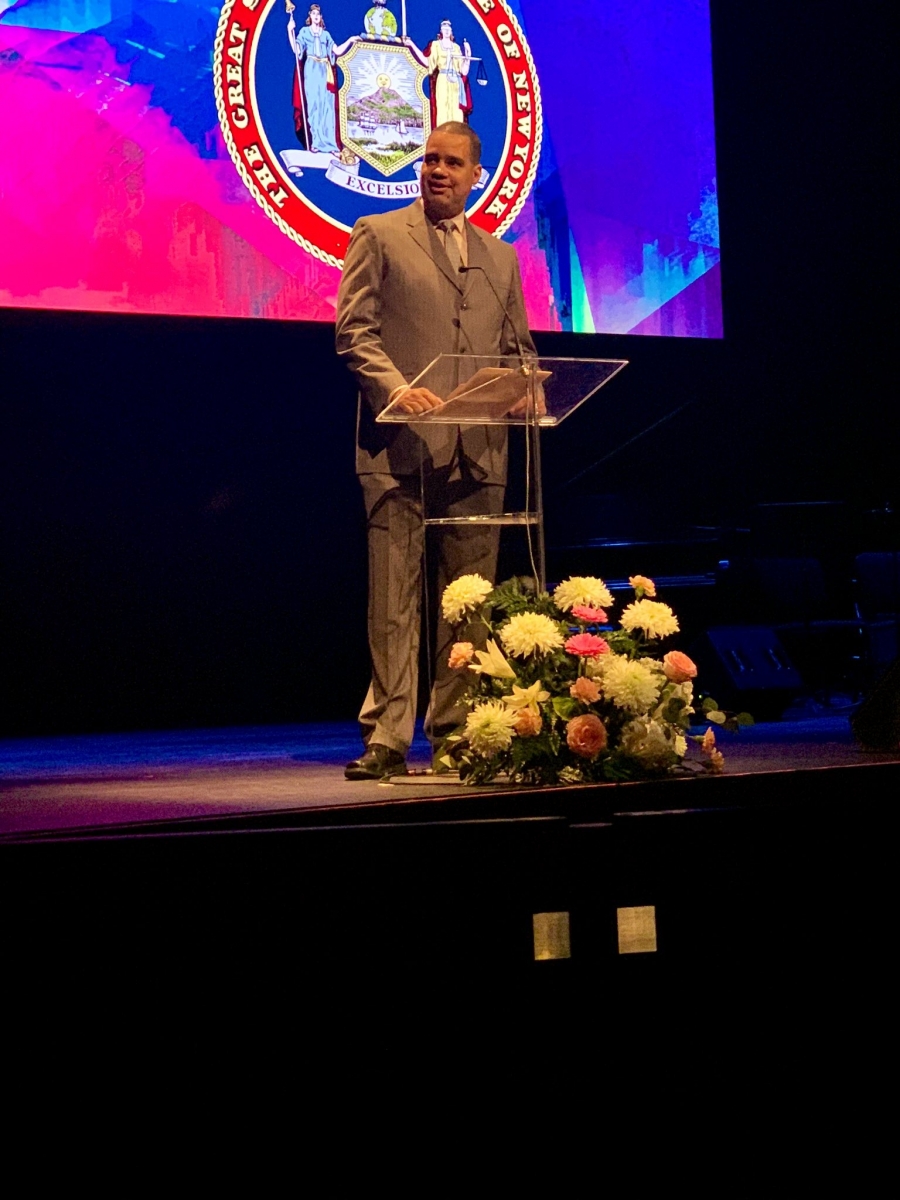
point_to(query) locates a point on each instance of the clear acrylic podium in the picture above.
(533, 392)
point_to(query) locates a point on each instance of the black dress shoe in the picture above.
(377, 762)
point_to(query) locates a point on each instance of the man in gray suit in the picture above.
(404, 300)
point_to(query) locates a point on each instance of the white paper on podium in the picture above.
(487, 395)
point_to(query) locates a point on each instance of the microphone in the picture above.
(519, 348)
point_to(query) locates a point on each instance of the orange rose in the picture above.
(585, 690)
(527, 723)
(709, 741)
(586, 735)
(460, 655)
(678, 667)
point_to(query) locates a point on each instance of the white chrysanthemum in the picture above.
(582, 589)
(594, 667)
(530, 633)
(463, 596)
(630, 684)
(646, 741)
(655, 620)
(680, 745)
(489, 727)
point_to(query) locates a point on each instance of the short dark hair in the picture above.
(462, 130)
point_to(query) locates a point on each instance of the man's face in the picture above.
(448, 175)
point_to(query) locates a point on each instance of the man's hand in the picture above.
(521, 407)
(418, 400)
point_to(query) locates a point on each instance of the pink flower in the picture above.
(460, 655)
(585, 690)
(678, 667)
(527, 723)
(590, 616)
(587, 645)
(586, 735)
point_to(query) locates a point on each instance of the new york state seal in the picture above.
(325, 108)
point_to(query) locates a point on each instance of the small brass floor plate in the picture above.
(551, 936)
(637, 929)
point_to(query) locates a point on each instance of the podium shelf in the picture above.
(519, 518)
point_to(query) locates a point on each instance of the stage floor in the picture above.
(110, 780)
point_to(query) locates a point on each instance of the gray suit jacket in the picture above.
(400, 305)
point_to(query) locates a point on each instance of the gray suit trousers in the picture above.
(397, 539)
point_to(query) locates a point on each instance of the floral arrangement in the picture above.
(557, 694)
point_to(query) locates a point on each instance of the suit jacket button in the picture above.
(464, 306)
(456, 322)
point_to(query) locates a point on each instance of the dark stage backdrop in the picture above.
(182, 539)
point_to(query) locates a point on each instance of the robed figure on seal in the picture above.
(315, 90)
(448, 71)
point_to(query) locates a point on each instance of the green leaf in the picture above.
(744, 718)
(717, 718)
(621, 642)
(517, 595)
(566, 707)
(617, 770)
(673, 708)
(708, 704)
